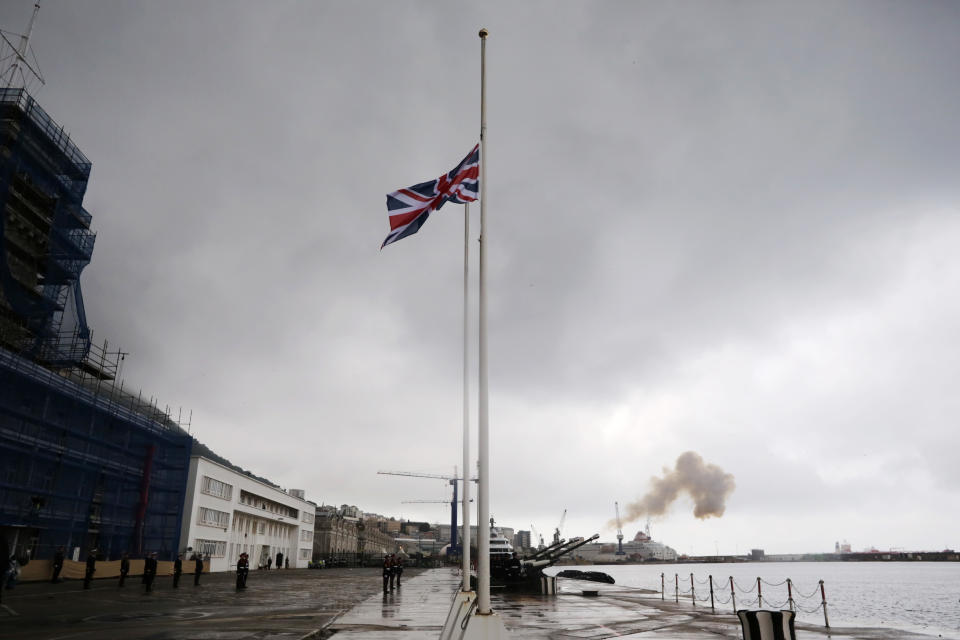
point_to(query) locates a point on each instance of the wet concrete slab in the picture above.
(349, 603)
(419, 611)
(277, 605)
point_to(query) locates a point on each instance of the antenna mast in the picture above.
(19, 54)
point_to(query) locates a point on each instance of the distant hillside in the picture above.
(200, 449)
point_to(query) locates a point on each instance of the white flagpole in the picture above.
(465, 538)
(483, 423)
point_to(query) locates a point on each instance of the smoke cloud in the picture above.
(707, 484)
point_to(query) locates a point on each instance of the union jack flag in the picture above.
(409, 208)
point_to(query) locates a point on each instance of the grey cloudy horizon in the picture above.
(727, 228)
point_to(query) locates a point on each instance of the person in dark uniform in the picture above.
(177, 570)
(197, 568)
(387, 573)
(243, 568)
(4, 559)
(269, 562)
(514, 567)
(279, 560)
(286, 563)
(398, 568)
(150, 571)
(57, 565)
(91, 568)
(124, 568)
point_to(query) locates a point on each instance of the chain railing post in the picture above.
(676, 588)
(759, 595)
(693, 597)
(712, 608)
(790, 593)
(662, 585)
(823, 595)
(733, 595)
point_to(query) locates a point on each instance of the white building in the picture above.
(227, 513)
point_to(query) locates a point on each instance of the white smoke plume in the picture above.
(707, 484)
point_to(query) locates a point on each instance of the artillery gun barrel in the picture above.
(546, 550)
(576, 543)
(560, 550)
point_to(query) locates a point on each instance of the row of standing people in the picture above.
(149, 569)
(392, 570)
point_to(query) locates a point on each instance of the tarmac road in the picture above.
(289, 604)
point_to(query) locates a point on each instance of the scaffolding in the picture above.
(83, 462)
(45, 235)
(85, 468)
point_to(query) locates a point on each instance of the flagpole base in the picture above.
(484, 627)
(463, 605)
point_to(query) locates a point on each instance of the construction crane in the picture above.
(452, 480)
(559, 529)
(537, 536)
(619, 551)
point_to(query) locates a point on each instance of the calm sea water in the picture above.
(915, 596)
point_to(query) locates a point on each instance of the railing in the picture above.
(45, 123)
(714, 597)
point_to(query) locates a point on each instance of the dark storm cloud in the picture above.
(709, 224)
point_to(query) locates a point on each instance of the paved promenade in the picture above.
(349, 603)
(417, 612)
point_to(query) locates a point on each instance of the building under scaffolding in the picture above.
(83, 462)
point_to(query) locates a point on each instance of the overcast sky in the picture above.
(720, 227)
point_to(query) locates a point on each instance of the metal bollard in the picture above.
(823, 594)
(733, 596)
(712, 608)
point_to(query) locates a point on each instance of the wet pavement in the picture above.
(418, 610)
(288, 605)
(349, 603)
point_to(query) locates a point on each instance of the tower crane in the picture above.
(619, 552)
(452, 480)
(559, 529)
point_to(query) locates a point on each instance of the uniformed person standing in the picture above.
(387, 573)
(150, 571)
(177, 570)
(57, 565)
(243, 568)
(197, 568)
(398, 568)
(91, 568)
(124, 568)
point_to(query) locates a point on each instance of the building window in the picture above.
(306, 535)
(306, 516)
(214, 518)
(261, 527)
(216, 488)
(211, 548)
(305, 554)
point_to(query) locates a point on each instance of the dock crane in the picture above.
(452, 480)
(537, 536)
(619, 551)
(559, 529)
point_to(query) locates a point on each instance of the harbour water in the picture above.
(916, 596)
